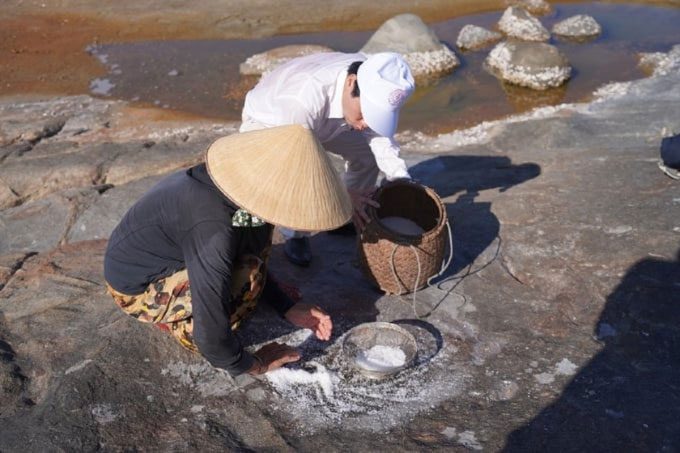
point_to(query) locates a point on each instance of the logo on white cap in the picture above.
(386, 82)
(397, 97)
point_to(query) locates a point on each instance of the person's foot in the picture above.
(298, 251)
(670, 172)
(347, 229)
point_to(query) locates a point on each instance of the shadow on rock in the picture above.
(474, 226)
(627, 398)
(334, 282)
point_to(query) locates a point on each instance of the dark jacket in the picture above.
(184, 221)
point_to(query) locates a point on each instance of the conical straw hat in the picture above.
(281, 175)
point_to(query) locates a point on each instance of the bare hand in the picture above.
(360, 201)
(311, 317)
(272, 356)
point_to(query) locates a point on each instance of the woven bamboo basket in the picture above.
(394, 261)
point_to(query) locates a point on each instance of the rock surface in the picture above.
(265, 62)
(473, 37)
(534, 65)
(578, 27)
(537, 7)
(408, 35)
(556, 328)
(518, 23)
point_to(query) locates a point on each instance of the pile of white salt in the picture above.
(381, 358)
(283, 379)
(402, 225)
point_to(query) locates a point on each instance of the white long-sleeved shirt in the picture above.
(308, 91)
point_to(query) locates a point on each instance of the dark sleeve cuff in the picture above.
(235, 360)
(276, 298)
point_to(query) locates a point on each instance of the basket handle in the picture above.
(445, 265)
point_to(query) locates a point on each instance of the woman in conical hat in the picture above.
(190, 256)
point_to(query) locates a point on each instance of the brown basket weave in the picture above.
(389, 258)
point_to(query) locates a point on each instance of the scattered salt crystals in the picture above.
(101, 86)
(298, 337)
(566, 367)
(402, 225)
(545, 378)
(381, 358)
(468, 440)
(621, 229)
(206, 379)
(612, 90)
(104, 413)
(369, 405)
(78, 367)
(449, 432)
(284, 378)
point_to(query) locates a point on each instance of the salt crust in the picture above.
(580, 25)
(432, 62)
(533, 6)
(474, 37)
(328, 391)
(500, 59)
(520, 24)
(265, 62)
(484, 132)
(664, 63)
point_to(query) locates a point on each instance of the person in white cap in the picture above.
(352, 103)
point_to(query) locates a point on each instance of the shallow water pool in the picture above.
(201, 77)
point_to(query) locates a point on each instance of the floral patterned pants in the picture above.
(166, 303)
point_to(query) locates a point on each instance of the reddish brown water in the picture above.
(201, 77)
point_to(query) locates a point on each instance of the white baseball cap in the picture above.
(385, 82)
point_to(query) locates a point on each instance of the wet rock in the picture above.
(265, 62)
(66, 116)
(580, 27)
(504, 390)
(9, 264)
(537, 7)
(662, 63)
(12, 380)
(136, 161)
(50, 128)
(44, 175)
(103, 214)
(408, 35)
(8, 197)
(518, 23)
(473, 37)
(649, 61)
(35, 226)
(534, 65)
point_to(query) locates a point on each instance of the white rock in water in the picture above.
(402, 225)
(408, 35)
(381, 358)
(262, 63)
(520, 24)
(580, 26)
(473, 37)
(663, 63)
(534, 65)
(539, 7)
